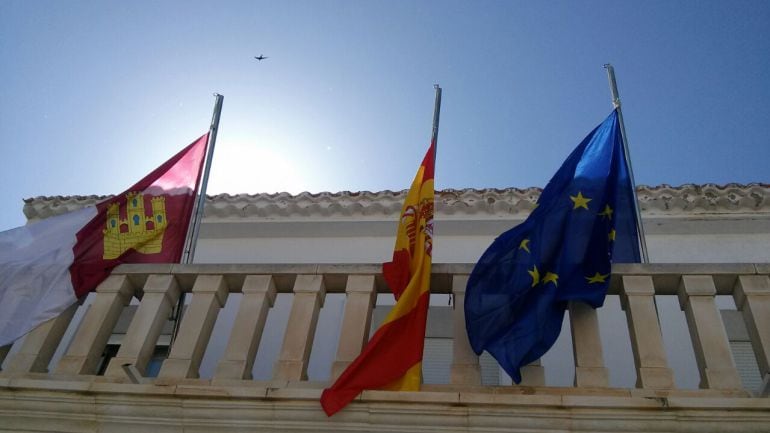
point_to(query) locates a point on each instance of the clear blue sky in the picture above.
(95, 94)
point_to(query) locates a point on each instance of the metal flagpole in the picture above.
(434, 141)
(195, 224)
(192, 238)
(627, 155)
(436, 115)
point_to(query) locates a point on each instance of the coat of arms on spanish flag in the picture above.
(47, 265)
(392, 359)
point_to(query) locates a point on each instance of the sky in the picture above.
(96, 94)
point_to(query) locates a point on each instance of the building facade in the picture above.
(286, 289)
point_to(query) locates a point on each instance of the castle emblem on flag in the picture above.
(138, 230)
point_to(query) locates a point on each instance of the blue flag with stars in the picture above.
(519, 289)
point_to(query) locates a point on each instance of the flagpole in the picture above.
(627, 154)
(192, 237)
(195, 224)
(434, 139)
(436, 115)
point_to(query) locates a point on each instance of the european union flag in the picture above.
(519, 289)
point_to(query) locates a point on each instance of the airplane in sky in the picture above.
(260, 57)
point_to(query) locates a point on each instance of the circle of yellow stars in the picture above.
(579, 202)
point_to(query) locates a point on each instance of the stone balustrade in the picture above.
(158, 287)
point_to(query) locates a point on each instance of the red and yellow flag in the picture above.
(392, 359)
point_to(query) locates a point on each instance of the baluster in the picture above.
(709, 338)
(465, 363)
(309, 293)
(238, 359)
(40, 344)
(587, 347)
(752, 298)
(161, 293)
(356, 321)
(637, 299)
(209, 295)
(85, 351)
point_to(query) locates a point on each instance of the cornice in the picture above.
(656, 201)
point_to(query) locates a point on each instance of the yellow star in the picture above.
(597, 278)
(607, 212)
(535, 275)
(550, 277)
(580, 201)
(611, 236)
(524, 245)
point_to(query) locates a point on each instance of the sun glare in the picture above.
(240, 167)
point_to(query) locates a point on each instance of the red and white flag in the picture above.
(46, 266)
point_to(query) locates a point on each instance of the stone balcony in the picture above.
(85, 391)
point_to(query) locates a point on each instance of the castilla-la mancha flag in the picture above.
(47, 265)
(392, 359)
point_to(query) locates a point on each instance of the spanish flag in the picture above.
(392, 359)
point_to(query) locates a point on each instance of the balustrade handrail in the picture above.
(665, 275)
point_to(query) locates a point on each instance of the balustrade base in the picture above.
(233, 370)
(721, 379)
(592, 376)
(655, 378)
(465, 374)
(31, 402)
